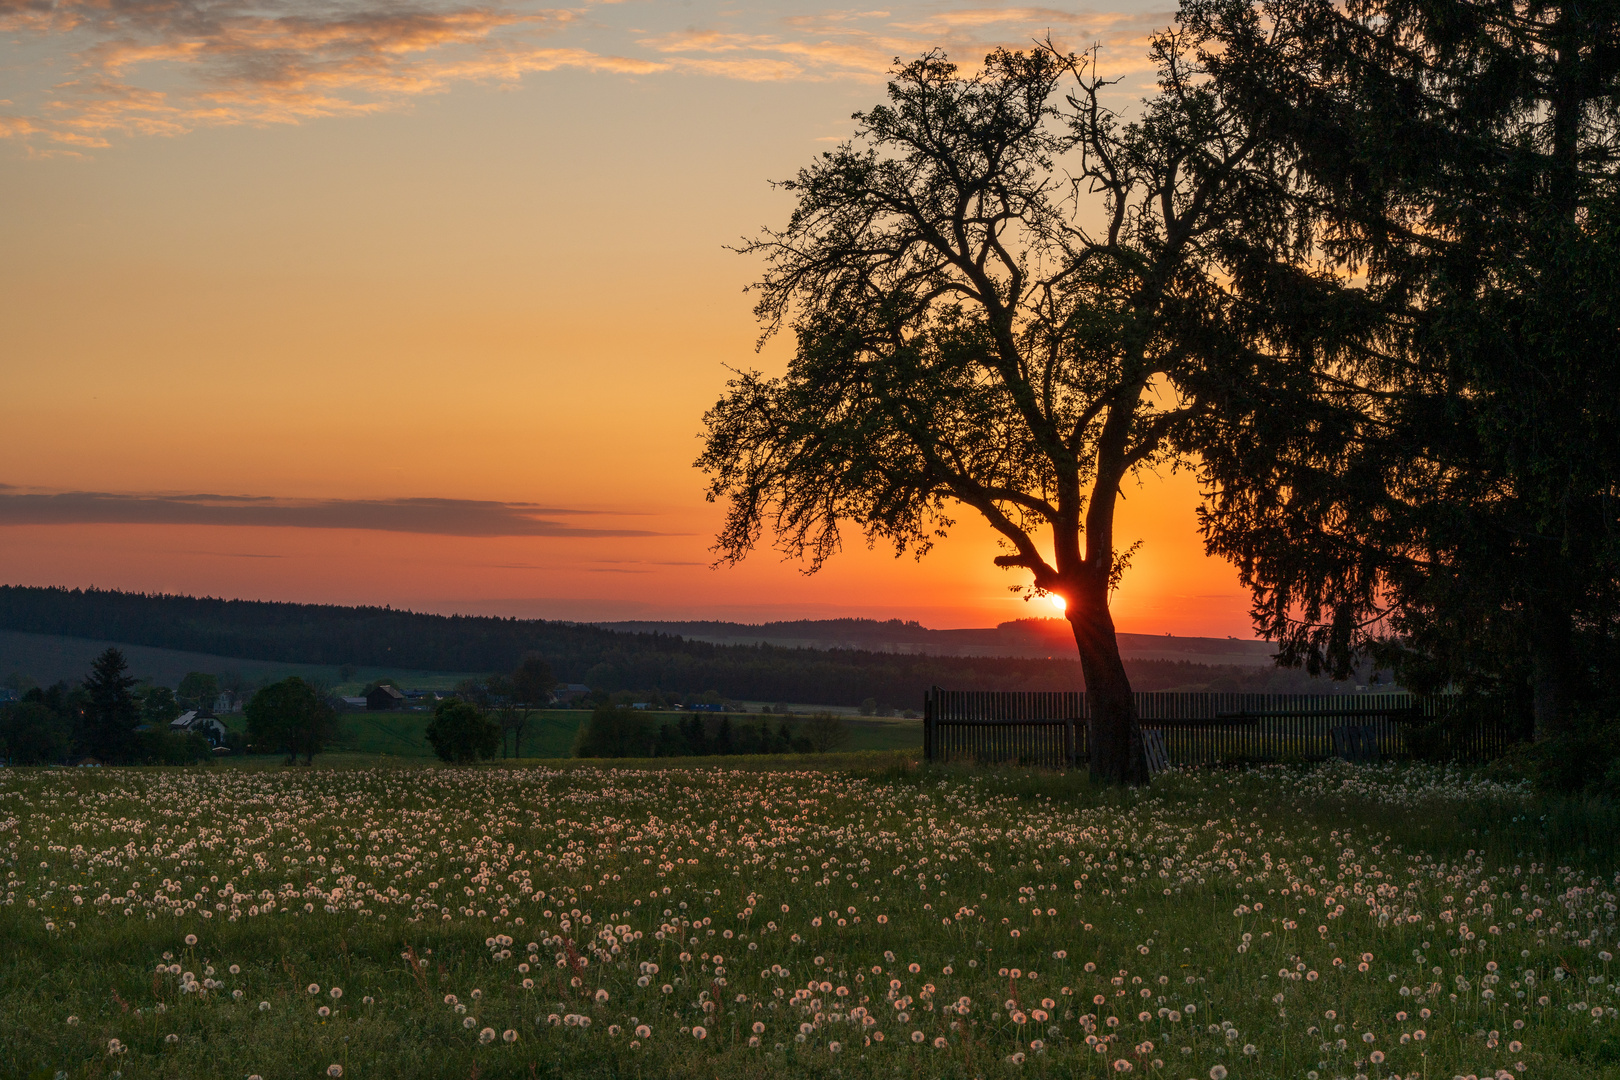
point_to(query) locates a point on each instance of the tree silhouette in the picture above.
(111, 713)
(967, 338)
(290, 716)
(1444, 491)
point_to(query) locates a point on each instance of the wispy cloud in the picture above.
(109, 68)
(164, 67)
(440, 517)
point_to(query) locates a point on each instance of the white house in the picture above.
(209, 727)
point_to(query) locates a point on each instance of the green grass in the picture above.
(949, 902)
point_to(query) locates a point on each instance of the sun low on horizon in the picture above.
(423, 306)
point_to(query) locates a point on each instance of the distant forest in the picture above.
(602, 659)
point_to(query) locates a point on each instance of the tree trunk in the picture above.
(1113, 736)
(1551, 639)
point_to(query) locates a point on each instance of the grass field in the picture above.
(859, 918)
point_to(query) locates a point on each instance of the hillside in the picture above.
(1026, 638)
(383, 638)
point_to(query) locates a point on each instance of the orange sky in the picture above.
(465, 254)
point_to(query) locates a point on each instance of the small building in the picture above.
(207, 725)
(570, 692)
(383, 698)
(355, 704)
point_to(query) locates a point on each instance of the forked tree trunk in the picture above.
(1113, 735)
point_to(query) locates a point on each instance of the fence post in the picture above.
(928, 723)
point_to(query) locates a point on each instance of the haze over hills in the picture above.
(1025, 638)
(844, 662)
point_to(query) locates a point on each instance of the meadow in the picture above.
(852, 917)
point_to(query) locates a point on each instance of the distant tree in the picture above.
(32, 734)
(111, 713)
(826, 732)
(158, 705)
(236, 688)
(460, 733)
(197, 691)
(669, 742)
(292, 717)
(694, 736)
(614, 731)
(869, 707)
(532, 680)
(723, 743)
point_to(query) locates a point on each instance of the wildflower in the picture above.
(171, 1039)
(759, 1028)
(334, 1070)
(314, 988)
(917, 1036)
(470, 1023)
(336, 992)
(73, 1021)
(1122, 1065)
(486, 1036)
(264, 1006)
(511, 1036)
(834, 1047)
(643, 1031)
(323, 1012)
(1017, 1059)
(191, 939)
(1217, 1072)
(1376, 1057)
(700, 1033)
(601, 996)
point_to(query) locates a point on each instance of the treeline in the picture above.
(617, 732)
(602, 659)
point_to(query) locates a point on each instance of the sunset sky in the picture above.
(371, 302)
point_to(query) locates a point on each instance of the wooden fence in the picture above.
(1048, 729)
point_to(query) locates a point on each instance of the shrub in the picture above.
(31, 734)
(459, 733)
